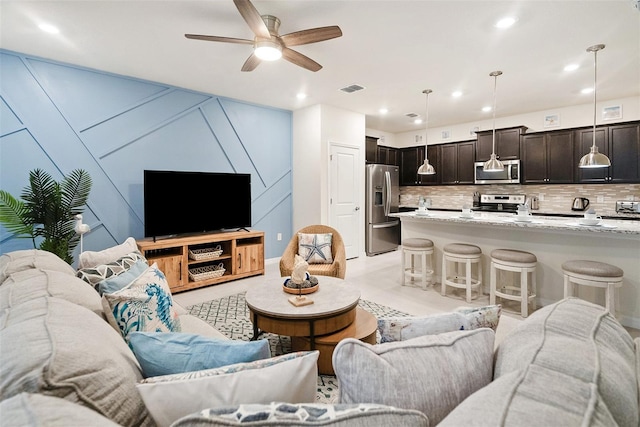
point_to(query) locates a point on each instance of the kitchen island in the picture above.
(553, 240)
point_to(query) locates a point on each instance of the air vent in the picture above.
(352, 88)
(411, 115)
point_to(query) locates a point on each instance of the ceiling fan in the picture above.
(268, 44)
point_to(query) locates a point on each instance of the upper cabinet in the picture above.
(545, 158)
(388, 156)
(621, 143)
(410, 160)
(507, 143)
(371, 149)
(456, 163)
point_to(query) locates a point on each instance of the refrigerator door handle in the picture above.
(387, 193)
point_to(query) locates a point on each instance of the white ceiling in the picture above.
(393, 48)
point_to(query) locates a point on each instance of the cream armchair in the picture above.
(337, 269)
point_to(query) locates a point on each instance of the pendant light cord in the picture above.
(595, 82)
(495, 88)
(426, 125)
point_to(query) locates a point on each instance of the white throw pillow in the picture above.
(463, 319)
(288, 378)
(315, 248)
(432, 373)
(90, 259)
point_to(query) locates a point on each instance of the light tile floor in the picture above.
(379, 280)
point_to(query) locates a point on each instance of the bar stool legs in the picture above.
(412, 248)
(457, 255)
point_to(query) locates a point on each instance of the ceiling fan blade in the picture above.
(301, 60)
(218, 39)
(312, 35)
(253, 18)
(251, 63)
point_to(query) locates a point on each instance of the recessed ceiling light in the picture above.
(586, 90)
(383, 110)
(506, 22)
(456, 94)
(486, 109)
(48, 28)
(571, 67)
(417, 121)
(301, 95)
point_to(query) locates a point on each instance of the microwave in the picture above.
(510, 174)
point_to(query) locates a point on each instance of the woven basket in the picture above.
(206, 272)
(204, 253)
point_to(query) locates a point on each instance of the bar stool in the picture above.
(458, 254)
(519, 262)
(417, 247)
(596, 274)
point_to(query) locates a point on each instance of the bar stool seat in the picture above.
(458, 255)
(515, 261)
(417, 247)
(596, 274)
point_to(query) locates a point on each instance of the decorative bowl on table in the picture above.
(309, 286)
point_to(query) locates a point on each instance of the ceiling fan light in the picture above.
(594, 159)
(493, 164)
(426, 168)
(268, 50)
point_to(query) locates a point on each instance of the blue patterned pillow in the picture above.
(144, 305)
(315, 248)
(174, 353)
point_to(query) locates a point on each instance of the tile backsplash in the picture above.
(554, 198)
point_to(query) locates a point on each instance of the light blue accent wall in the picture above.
(59, 117)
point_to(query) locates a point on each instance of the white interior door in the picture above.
(345, 194)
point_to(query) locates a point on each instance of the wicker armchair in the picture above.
(337, 269)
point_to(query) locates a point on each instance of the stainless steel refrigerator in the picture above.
(382, 199)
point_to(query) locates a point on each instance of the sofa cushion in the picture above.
(306, 414)
(25, 285)
(145, 305)
(15, 261)
(576, 352)
(67, 351)
(463, 319)
(431, 373)
(315, 248)
(522, 398)
(88, 259)
(36, 410)
(106, 277)
(161, 353)
(288, 378)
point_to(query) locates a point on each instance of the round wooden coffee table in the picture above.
(334, 308)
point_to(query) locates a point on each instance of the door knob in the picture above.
(357, 208)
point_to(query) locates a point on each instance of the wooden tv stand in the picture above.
(183, 259)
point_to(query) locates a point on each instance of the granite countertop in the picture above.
(609, 214)
(506, 219)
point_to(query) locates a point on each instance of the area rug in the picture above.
(230, 316)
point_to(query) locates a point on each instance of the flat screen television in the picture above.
(181, 202)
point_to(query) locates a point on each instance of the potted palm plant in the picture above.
(46, 213)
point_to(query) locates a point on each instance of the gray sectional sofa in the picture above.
(63, 364)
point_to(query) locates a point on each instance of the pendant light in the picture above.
(426, 168)
(594, 159)
(493, 164)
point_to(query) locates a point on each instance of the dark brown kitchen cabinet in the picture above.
(545, 158)
(621, 143)
(507, 143)
(410, 160)
(387, 156)
(371, 149)
(456, 163)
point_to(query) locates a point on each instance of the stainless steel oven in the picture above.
(510, 174)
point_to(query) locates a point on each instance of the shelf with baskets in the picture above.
(194, 261)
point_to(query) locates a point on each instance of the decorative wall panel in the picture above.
(60, 117)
